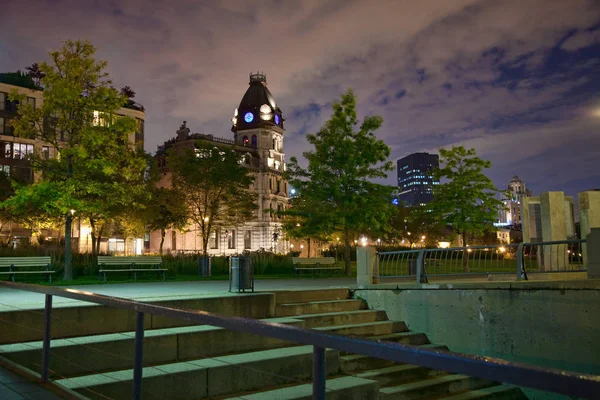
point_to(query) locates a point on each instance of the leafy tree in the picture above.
(412, 223)
(336, 182)
(35, 73)
(301, 223)
(95, 169)
(215, 186)
(167, 210)
(467, 200)
(128, 92)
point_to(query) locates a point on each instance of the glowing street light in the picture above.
(423, 237)
(291, 246)
(301, 246)
(502, 249)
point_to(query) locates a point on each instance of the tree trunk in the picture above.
(347, 251)
(163, 233)
(99, 239)
(93, 235)
(68, 275)
(308, 243)
(68, 222)
(465, 253)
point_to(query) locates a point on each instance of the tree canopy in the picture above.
(96, 172)
(215, 186)
(336, 184)
(467, 200)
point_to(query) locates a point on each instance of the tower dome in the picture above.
(258, 107)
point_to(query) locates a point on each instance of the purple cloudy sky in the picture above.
(518, 80)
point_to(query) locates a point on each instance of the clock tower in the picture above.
(257, 125)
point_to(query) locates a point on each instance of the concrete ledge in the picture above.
(108, 352)
(84, 320)
(349, 387)
(208, 377)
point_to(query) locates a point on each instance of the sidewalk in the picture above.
(11, 299)
(15, 387)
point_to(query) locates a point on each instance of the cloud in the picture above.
(581, 40)
(464, 71)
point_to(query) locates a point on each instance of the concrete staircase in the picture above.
(196, 362)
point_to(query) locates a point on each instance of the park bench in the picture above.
(315, 264)
(13, 263)
(147, 264)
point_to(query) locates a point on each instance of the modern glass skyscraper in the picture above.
(415, 178)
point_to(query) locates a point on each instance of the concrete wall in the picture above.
(552, 324)
(26, 325)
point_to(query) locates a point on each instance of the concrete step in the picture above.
(498, 392)
(399, 373)
(84, 319)
(341, 318)
(92, 354)
(353, 363)
(346, 388)
(303, 296)
(367, 329)
(434, 387)
(318, 307)
(414, 338)
(208, 377)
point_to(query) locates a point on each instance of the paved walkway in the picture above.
(11, 299)
(15, 387)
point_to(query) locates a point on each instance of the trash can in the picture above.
(241, 274)
(204, 266)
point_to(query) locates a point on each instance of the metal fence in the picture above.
(518, 259)
(553, 380)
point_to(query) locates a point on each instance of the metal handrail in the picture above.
(548, 379)
(520, 268)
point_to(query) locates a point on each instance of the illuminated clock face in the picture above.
(248, 117)
(276, 119)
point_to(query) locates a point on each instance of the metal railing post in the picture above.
(138, 356)
(421, 267)
(46, 345)
(319, 373)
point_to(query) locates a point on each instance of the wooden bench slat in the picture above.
(13, 263)
(26, 272)
(133, 262)
(132, 270)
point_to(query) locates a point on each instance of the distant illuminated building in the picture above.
(512, 214)
(415, 178)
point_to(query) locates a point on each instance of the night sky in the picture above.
(518, 80)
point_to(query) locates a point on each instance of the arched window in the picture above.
(254, 141)
(245, 140)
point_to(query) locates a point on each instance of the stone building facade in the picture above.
(258, 134)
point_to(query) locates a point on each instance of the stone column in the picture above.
(366, 266)
(593, 253)
(554, 227)
(589, 216)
